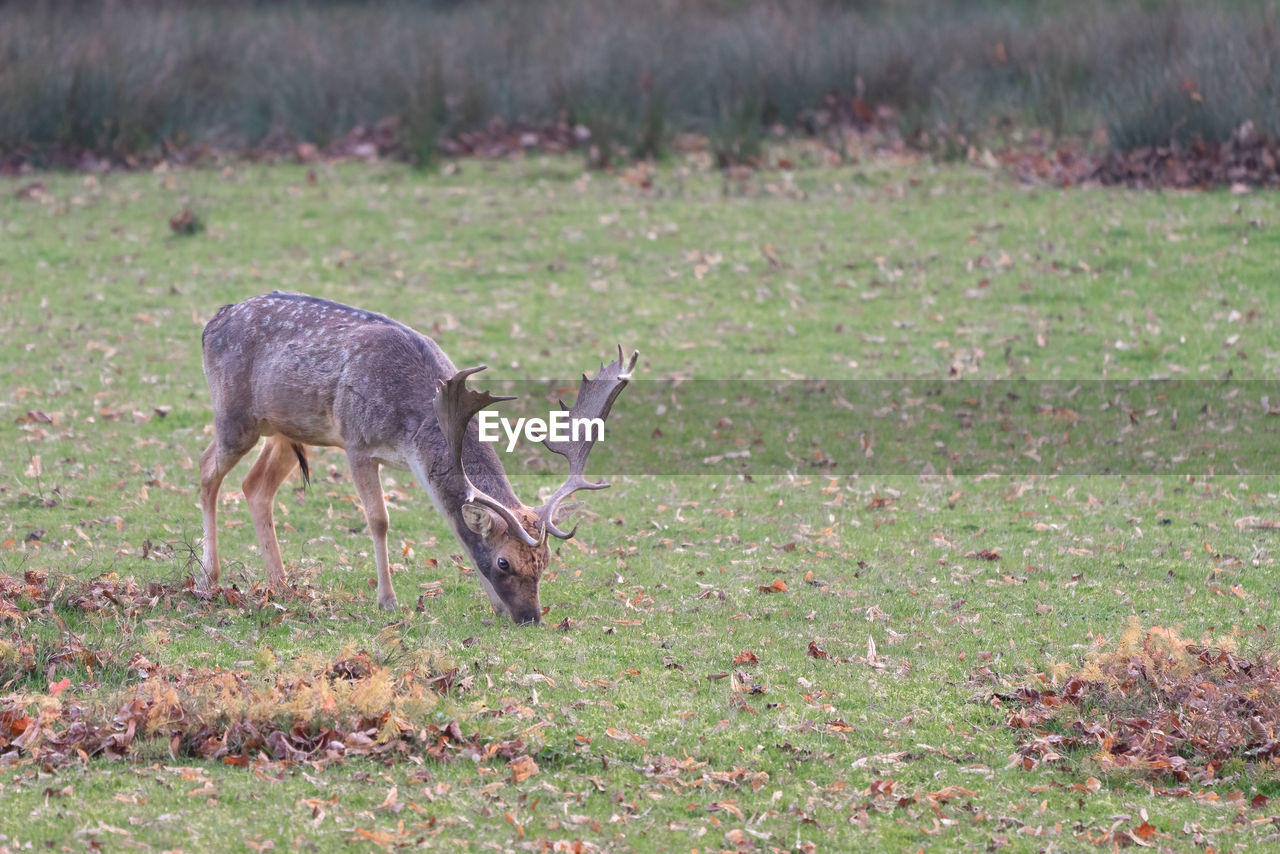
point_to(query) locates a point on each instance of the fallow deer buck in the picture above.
(305, 371)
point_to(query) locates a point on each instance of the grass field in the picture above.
(734, 657)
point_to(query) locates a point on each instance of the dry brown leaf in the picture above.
(522, 768)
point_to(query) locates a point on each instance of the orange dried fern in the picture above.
(1157, 704)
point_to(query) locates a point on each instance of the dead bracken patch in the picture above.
(36, 593)
(1156, 705)
(317, 710)
(316, 713)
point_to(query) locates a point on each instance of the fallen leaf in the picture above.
(522, 768)
(390, 802)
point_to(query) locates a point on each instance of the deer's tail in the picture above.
(301, 452)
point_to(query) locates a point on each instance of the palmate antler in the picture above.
(595, 399)
(455, 405)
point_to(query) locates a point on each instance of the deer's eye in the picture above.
(504, 564)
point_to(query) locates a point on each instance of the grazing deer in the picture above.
(306, 371)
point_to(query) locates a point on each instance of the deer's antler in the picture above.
(595, 399)
(455, 404)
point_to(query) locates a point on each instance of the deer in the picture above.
(303, 371)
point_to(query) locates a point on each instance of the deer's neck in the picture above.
(448, 491)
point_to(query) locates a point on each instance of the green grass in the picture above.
(874, 271)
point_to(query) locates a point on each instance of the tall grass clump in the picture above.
(1193, 75)
(127, 77)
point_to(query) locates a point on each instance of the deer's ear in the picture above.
(479, 519)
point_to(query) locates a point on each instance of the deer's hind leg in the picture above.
(227, 449)
(276, 462)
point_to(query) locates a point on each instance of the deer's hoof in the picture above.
(388, 603)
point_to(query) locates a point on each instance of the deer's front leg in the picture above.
(364, 472)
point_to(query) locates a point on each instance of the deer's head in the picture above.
(509, 544)
(509, 567)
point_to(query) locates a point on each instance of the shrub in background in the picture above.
(127, 77)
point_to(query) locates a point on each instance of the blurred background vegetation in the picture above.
(126, 78)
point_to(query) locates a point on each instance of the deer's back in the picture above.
(319, 372)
